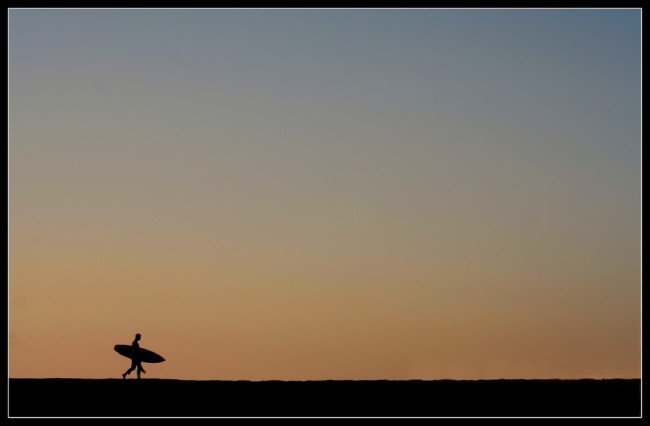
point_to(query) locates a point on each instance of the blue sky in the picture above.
(385, 178)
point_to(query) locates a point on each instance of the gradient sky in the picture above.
(325, 194)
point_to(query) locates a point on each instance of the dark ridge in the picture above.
(328, 398)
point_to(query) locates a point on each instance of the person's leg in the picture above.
(140, 370)
(127, 372)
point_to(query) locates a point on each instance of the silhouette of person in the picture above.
(135, 362)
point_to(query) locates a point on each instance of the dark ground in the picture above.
(445, 398)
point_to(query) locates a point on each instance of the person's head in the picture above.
(137, 336)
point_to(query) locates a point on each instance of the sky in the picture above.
(322, 194)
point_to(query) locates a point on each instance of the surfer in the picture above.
(135, 363)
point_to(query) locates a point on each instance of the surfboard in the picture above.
(138, 354)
